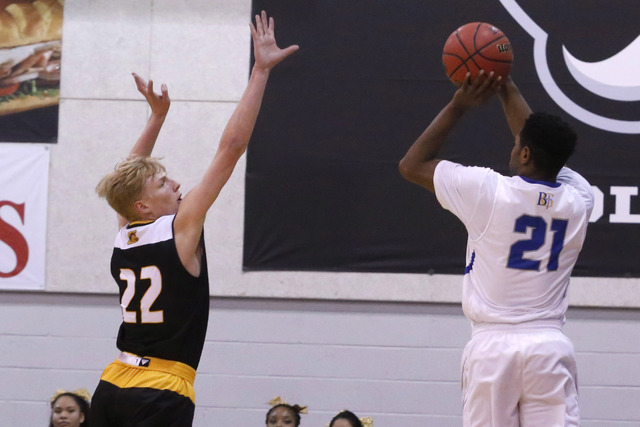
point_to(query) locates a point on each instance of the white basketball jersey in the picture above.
(524, 239)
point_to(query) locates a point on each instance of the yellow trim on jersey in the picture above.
(161, 374)
(141, 222)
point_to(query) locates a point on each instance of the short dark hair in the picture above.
(295, 410)
(551, 141)
(349, 416)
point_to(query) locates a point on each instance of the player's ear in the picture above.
(141, 208)
(525, 155)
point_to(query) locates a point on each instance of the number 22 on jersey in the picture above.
(539, 234)
(152, 273)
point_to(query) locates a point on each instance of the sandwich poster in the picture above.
(24, 172)
(323, 191)
(30, 53)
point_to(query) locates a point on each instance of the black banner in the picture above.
(323, 192)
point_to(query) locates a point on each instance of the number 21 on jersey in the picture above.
(152, 273)
(539, 234)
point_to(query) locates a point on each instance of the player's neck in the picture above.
(538, 176)
(530, 172)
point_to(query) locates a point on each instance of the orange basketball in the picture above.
(476, 46)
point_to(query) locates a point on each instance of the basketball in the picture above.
(476, 46)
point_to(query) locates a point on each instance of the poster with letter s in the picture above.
(24, 172)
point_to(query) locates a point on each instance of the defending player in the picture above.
(525, 234)
(159, 261)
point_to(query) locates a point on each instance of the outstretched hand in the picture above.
(159, 103)
(266, 52)
(473, 94)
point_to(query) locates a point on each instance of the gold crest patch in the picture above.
(132, 237)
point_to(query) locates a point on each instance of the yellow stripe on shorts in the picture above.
(160, 375)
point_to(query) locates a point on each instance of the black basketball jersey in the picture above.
(165, 309)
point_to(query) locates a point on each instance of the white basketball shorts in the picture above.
(519, 376)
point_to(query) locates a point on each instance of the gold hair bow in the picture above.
(366, 421)
(278, 401)
(81, 392)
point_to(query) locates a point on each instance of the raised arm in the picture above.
(516, 109)
(235, 138)
(419, 164)
(159, 107)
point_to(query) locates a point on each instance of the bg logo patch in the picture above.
(595, 53)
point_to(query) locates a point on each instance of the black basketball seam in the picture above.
(462, 44)
(478, 49)
(478, 53)
(464, 61)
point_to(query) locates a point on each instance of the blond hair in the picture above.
(123, 187)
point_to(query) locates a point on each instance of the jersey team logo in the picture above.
(604, 65)
(545, 200)
(133, 238)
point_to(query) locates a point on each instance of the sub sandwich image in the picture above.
(30, 49)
